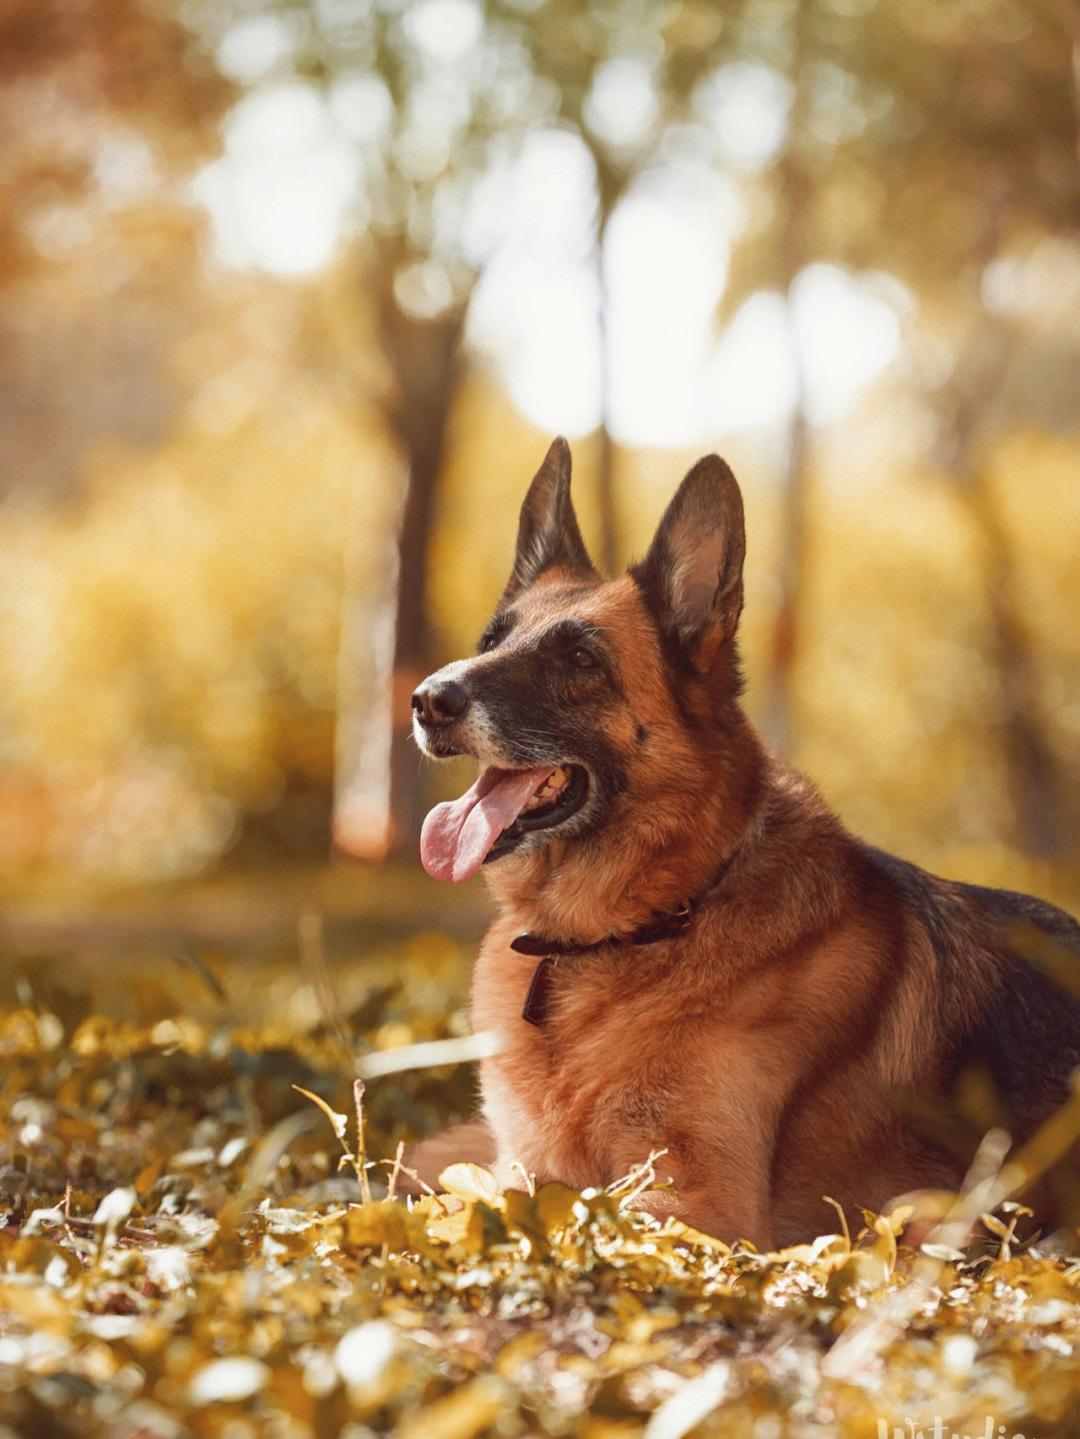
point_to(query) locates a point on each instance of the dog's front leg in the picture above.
(469, 1143)
(718, 1168)
(729, 1211)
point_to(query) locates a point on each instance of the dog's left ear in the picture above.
(548, 532)
(692, 576)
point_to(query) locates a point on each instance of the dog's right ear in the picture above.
(692, 576)
(548, 532)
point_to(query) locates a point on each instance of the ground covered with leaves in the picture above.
(186, 1249)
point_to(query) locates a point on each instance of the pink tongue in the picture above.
(456, 836)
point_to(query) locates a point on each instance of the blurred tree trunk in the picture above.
(606, 458)
(1036, 782)
(796, 192)
(379, 809)
(425, 359)
(1070, 17)
(611, 186)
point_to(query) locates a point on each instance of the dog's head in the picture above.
(591, 704)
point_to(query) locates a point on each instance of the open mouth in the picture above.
(500, 810)
(557, 798)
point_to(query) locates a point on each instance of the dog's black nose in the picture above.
(439, 701)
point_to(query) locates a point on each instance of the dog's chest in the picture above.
(573, 1072)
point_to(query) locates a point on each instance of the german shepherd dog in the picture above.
(692, 954)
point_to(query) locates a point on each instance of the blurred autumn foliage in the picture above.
(292, 296)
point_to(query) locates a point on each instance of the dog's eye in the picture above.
(582, 659)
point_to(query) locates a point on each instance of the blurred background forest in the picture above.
(293, 297)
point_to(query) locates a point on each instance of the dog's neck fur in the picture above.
(579, 891)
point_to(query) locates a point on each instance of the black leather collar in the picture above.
(550, 951)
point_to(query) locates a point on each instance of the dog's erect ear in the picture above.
(692, 576)
(548, 531)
